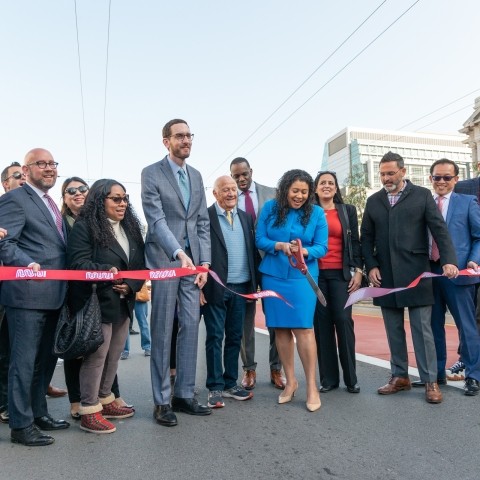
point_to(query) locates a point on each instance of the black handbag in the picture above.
(80, 334)
(365, 281)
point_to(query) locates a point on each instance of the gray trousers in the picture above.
(423, 343)
(98, 370)
(247, 350)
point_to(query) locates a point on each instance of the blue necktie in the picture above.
(184, 187)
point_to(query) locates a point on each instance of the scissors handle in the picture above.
(296, 259)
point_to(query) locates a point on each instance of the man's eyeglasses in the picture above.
(42, 164)
(181, 136)
(119, 200)
(388, 174)
(438, 178)
(73, 190)
(16, 176)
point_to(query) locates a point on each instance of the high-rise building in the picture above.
(356, 152)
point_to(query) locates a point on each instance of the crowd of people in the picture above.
(248, 238)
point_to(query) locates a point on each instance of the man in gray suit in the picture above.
(251, 199)
(36, 239)
(178, 235)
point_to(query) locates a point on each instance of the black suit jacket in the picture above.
(83, 255)
(212, 290)
(395, 239)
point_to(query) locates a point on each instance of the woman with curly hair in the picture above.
(292, 215)
(106, 236)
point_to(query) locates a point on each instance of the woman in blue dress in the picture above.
(292, 215)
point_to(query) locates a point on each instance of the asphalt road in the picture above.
(364, 436)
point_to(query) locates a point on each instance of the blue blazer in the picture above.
(463, 221)
(314, 238)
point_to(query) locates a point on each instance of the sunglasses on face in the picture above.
(438, 178)
(119, 200)
(73, 190)
(15, 175)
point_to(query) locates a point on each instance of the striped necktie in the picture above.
(57, 216)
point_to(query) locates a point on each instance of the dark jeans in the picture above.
(224, 320)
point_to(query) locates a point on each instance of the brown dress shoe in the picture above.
(433, 393)
(395, 385)
(55, 392)
(249, 379)
(277, 379)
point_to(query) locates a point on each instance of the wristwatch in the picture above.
(358, 270)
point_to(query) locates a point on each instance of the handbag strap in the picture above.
(349, 232)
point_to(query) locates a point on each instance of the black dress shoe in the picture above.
(353, 388)
(48, 423)
(327, 388)
(164, 415)
(471, 387)
(31, 437)
(190, 406)
(133, 332)
(420, 383)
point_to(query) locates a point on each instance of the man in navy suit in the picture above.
(36, 239)
(462, 215)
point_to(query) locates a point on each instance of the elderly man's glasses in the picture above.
(42, 164)
(182, 136)
(73, 190)
(16, 176)
(119, 200)
(438, 178)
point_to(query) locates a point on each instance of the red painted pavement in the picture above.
(370, 334)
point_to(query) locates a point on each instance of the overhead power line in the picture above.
(300, 86)
(333, 77)
(81, 87)
(106, 84)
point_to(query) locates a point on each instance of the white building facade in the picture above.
(357, 152)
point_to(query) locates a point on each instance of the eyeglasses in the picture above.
(388, 174)
(73, 190)
(119, 200)
(324, 172)
(438, 178)
(181, 136)
(16, 176)
(42, 164)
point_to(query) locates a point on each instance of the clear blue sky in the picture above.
(224, 67)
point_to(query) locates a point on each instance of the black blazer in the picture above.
(468, 187)
(395, 239)
(83, 255)
(212, 290)
(356, 248)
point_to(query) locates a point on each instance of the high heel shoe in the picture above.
(74, 410)
(313, 407)
(282, 398)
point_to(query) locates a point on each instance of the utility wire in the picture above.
(299, 87)
(106, 84)
(333, 77)
(81, 87)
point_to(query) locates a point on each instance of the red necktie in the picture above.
(249, 205)
(435, 254)
(56, 213)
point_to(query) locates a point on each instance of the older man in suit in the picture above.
(36, 239)
(178, 235)
(462, 215)
(251, 198)
(234, 261)
(395, 246)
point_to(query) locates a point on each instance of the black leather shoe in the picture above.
(471, 387)
(353, 388)
(420, 383)
(164, 415)
(327, 388)
(48, 423)
(190, 406)
(31, 437)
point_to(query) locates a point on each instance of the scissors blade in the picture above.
(316, 289)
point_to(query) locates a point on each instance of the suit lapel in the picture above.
(452, 204)
(167, 171)
(215, 226)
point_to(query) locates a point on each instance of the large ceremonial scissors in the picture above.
(297, 261)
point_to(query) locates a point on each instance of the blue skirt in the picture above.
(299, 293)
